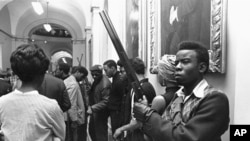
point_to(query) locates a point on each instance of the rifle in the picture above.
(122, 55)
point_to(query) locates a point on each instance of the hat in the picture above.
(166, 67)
(96, 68)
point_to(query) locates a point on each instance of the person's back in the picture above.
(165, 71)
(54, 88)
(28, 117)
(25, 114)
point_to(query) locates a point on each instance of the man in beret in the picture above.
(98, 100)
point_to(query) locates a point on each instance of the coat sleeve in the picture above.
(104, 100)
(210, 121)
(65, 99)
(81, 108)
(73, 90)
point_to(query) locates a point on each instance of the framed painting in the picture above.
(171, 21)
(153, 26)
(132, 28)
(136, 40)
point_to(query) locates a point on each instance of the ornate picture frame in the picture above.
(217, 50)
(157, 32)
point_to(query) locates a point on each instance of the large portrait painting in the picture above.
(198, 20)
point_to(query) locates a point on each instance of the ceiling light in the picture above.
(64, 60)
(47, 27)
(37, 7)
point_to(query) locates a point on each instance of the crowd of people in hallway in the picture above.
(65, 106)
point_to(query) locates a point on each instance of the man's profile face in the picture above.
(108, 71)
(187, 67)
(79, 76)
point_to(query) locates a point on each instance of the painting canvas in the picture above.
(198, 20)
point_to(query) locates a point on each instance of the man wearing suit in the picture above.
(5, 87)
(54, 88)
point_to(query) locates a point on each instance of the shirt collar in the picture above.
(72, 78)
(198, 90)
(33, 92)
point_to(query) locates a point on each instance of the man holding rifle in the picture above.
(197, 111)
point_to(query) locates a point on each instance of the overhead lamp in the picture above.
(37, 7)
(64, 60)
(47, 26)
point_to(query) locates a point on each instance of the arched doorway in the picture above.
(57, 43)
(60, 57)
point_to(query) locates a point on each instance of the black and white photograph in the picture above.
(124, 70)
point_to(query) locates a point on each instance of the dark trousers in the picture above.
(98, 127)
(82, 131)
(115, 120)
(71, 132)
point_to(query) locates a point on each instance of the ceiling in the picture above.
(72, 15)
(65, 16)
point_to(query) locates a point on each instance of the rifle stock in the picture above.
(122, 55)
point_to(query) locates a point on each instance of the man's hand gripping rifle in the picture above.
(122, 55)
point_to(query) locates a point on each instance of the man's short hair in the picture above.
(199, 48)
(110, 63)
(64, 67)
(80, 69)
(29, 61)
(138, 65)
(119, 63)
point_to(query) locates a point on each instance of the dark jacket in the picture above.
(98, 100)
(54, 88)
(207, 121)
(116, 93)
(100, 94)
(5, 87)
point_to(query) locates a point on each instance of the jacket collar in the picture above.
(198, 91)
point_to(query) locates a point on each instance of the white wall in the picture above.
(239, 40)
(5, 40)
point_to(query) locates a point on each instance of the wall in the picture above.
(5, 40)
(103, 48)
(238, 40)
(234, 82)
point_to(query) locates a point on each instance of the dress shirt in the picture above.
(30, 116)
